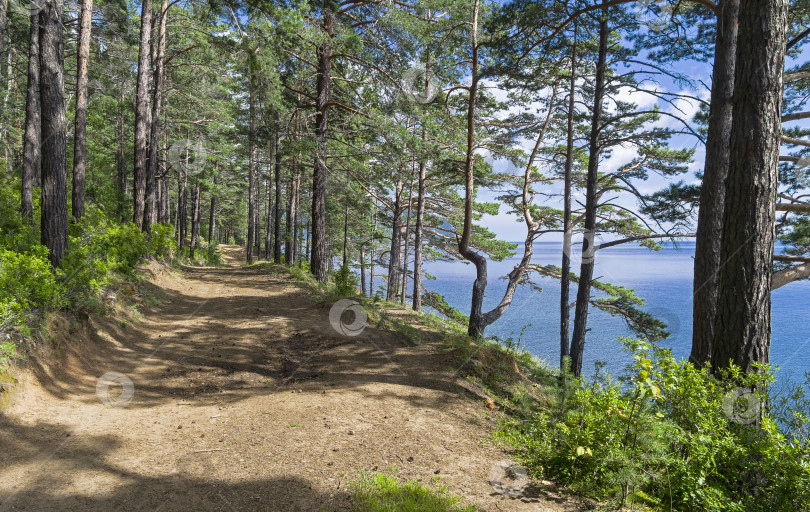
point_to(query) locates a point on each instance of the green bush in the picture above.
(344, 282)
(162, 244)
(667, 435)
(126, 243)
(212, 255)
(27, 285)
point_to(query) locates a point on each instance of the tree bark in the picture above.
(119, 154)
(292, 215)
(318, 217)
(586, 268)
(54, 219)
(418, 244)
(372, 264)
(142, 116)
(268, 228)
(396, 244)
(212, 214)
(403, 292)
(712, 194)
(80, 121)
(476, 325)
(277, 206)
(565, 276)
(257, 234)
(32, 156)
(790, 275)
(150, 207)
(743, 323)
(251, 169)
(362, 270)
(195, 219)
(3, 23)
(346, 235)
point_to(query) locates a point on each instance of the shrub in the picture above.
(663, 435)
(212, 255)
(26, 285)
(126, 243)
(162, 244)
(85, 270)
(344, 282)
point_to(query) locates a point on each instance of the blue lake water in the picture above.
(663, 278)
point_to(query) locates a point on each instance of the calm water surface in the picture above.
(663, 278)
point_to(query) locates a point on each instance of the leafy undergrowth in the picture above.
(102, 258)
(378, 492)
(667, 436)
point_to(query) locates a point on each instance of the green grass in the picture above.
(377, 492)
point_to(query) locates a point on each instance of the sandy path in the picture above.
(245, 398)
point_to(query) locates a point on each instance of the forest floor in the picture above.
(245, 398)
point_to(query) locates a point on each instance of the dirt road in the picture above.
(242, 397)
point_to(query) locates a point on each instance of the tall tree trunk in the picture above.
(712, 193)
(346, 235)
(212, 213)
(54, 218)
(142, 115)
(268, 227)
(591, 199)
(251, 170)
(289, 240)
(183, 212)
(420, 219)
(297, 220)
(159, 198)
(9, 75)
(164, 200)
(373, 244)
(396, 244)
(80, 121)
(195, 218)
(743, 323)
(476, 324)
(277, 209)
(308, 254)
(404, 287)
(257, 215)
(3, 24)
(565, 276)
(150, 208)
(177, 222)
(32, 156)
(119, 154)
(362, 270)
(318, 217)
